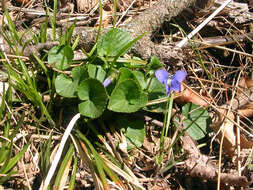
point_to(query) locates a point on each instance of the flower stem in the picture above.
(166, 125)
(169, 114)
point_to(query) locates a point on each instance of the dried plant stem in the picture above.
(59, 152)
(238, 146)
(208, 19)
(124, 14)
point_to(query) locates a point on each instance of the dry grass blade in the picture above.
(130, 178)
(59, 152)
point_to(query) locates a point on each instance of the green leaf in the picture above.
(126, 74)
(65, 86)
(140, 78)
(79, 73)
(96, 72)
(156, 90)
(127, 97)
(154, 65)
(134, 130)
(60, 56)
(196, 121)
(94, 97)
(112, 42)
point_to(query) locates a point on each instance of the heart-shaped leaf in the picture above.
(94, 97)
(127, 97)
(65, 86)
(133, 129)
(135, 75)
(96, 72)
(112, 43)
(60, 56)
(125, 74)
(196, 120)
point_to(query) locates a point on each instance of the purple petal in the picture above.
(107, 81)
(168, 88)
(162, 75)
(175, 85)
(179, 76)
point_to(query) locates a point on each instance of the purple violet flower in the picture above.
(172, 83)
(107, 81)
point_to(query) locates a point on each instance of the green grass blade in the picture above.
(11, 163)
(112, 175)
(73, 175)
(85, 156)
(3, 154)
(43, 66)
(7, 177)
(53, 21)
(43, 31)
(69, 33)
(60, 174)
(2, 107)
(76, 42)
(8, 151)
(16, 39)
(98, 162)
(17, 127)
(28, 88)
(45, 157)
(12, 43)
(100, 20)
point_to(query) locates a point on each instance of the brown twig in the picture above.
(199, 165)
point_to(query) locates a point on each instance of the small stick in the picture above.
(208, 19)
(125, 12)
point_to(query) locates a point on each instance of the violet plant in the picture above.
(172, 84)
(108, 83)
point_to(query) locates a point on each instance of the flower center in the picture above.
(169, 81)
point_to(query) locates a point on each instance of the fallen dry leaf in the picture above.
(246, 108)
(84, 6)
(106, 17)
(226, 125)
(22, 1)
(188, 95)
(249, 82)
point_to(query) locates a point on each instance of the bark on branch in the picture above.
(149, 21)
(199, 165)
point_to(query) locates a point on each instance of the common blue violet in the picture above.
(107, 81)
(172, 83)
